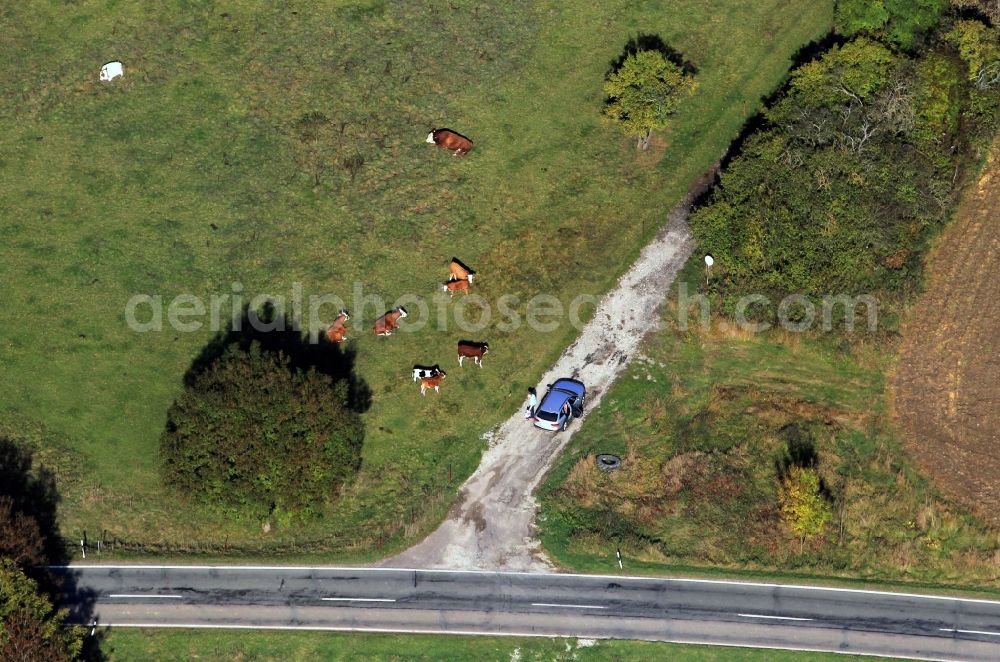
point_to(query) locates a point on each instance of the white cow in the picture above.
(112, 70)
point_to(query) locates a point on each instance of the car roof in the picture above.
(574, 386)
(559, 392)
(554, 400)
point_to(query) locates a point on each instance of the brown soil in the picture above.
(947, 386)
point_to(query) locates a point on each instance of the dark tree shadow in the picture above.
(800, 451)
(275, 333)
(652, 42)
(30, 492)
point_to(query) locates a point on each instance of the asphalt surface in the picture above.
(534, 604)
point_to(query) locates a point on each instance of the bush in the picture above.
(258, 438)
(802, 504)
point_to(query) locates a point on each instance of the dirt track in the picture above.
(947, 386)
(491, 525)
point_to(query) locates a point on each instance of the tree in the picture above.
(29, 533)
(21, 539)
(31, 629)
(256, 437)
(980, 50)
(644, 92)
(897, 22)
(802, 504)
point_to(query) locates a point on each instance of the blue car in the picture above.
(562, 403)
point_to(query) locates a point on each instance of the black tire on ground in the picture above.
(606, 462)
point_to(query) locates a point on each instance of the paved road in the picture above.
(383, 599)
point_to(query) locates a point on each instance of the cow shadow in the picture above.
(652, 42)
(31, 537)
(275, 333)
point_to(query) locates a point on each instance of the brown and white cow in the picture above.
(421, 371)
(459, 271)
(453, 286)
(468, 349)
(450, 140)
(432, 382)
(385, 325)
(337, 332)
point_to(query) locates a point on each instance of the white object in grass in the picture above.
(112, 70)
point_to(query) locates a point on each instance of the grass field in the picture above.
(706, 420)
(126, 645)
(268, 147)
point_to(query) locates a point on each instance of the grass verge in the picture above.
(165, 645)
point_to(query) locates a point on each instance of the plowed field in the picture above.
(947, 386)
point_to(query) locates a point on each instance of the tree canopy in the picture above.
(644, 92)
(30, 627)
(899, 22)
(841, 189)
(257, 438)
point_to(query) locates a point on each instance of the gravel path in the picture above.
(491, 525)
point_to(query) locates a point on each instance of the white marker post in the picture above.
(709, 261)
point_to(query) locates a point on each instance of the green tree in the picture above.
(258, 438)
(644, 92)
(31, 629)
(979, 48)
(802, 504)
(897, 22)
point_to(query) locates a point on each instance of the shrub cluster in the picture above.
(258, 438)
(853, 169)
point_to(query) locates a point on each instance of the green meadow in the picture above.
(269, 146)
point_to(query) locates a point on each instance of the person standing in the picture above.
(529, 412)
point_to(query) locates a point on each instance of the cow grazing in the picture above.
(385, 325)
(337, 332)
(453, 286)
(450, 140)
(459, 271)
(432, 382)
(422, 371)
(472, 350)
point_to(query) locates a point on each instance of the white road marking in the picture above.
(681, 580)
(358, 599)
(992, 634)
(777, 618)
(552, 604)
(137, 595)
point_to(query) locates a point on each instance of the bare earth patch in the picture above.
(947, 386)
(491, 525)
